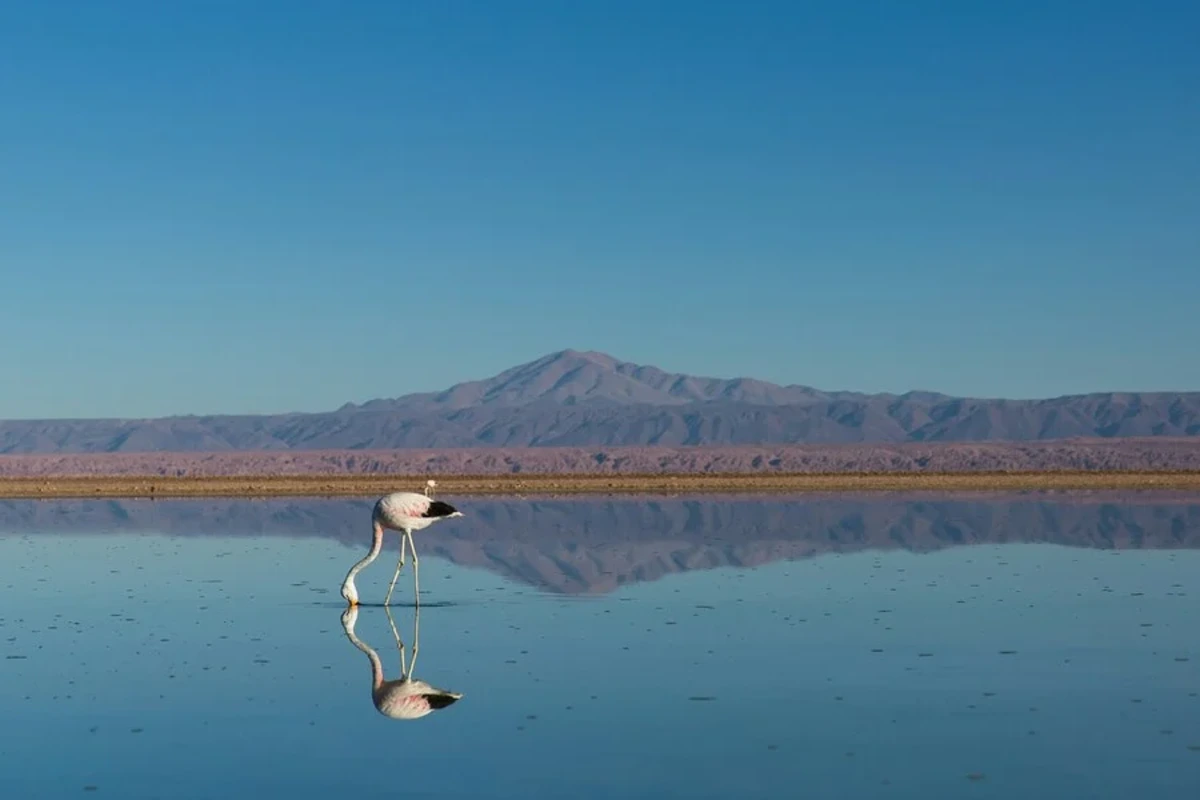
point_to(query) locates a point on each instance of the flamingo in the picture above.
(406, 698)
(404, 512)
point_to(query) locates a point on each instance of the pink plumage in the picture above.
(410, 511)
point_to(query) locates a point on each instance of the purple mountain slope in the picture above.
(588, 399)
(571, 377)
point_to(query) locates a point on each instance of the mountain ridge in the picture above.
(594, 377)
(579, 398)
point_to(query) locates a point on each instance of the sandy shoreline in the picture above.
(449, 485)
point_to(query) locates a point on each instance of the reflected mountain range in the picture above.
(593, 545)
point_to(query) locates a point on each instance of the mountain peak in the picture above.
(573, 377)
(592, 356)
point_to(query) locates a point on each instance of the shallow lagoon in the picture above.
(821, 647)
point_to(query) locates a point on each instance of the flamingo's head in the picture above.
(349, 592)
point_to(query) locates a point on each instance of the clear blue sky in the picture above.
(228, 206)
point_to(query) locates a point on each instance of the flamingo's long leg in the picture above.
(416, 570)
(399, 566)
(416, 637)
(404, 673)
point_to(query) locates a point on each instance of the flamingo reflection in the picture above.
(407, 697)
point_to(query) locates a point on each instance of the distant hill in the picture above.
(588, 399)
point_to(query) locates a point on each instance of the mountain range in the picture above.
(589, 399)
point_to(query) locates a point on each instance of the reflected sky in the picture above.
(821, 647)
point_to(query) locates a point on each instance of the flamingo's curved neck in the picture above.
(376, 662)
(376, 546)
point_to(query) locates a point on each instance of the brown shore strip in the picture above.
(106, 486)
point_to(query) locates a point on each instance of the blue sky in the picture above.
(245, 207)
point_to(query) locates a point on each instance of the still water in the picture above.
(834, 647)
